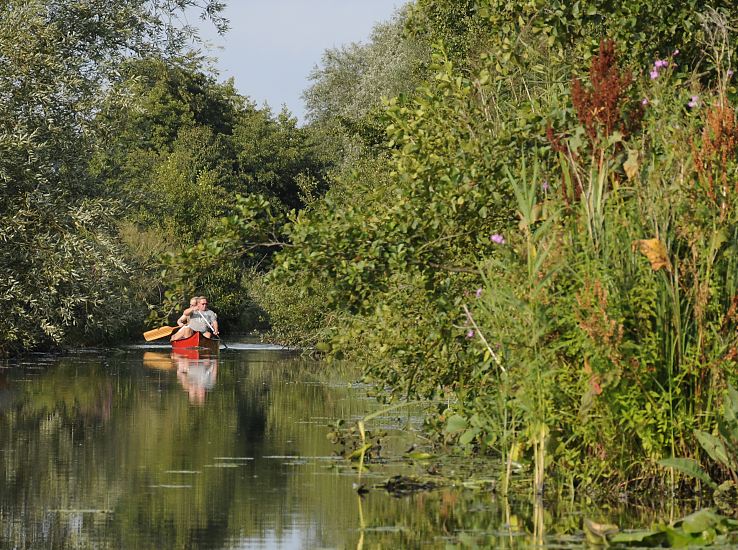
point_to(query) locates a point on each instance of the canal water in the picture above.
(138, 448)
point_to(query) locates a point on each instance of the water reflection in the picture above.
(197, 370)
(197, 376)
(142, 449)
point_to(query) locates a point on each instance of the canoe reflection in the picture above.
(197, 370)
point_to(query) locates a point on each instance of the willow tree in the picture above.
(64, 273)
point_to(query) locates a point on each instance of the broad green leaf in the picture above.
(469, 435)
(690, 467)
(714, 447)
(648, 538)
(455, 423)
(700, 520)
(597, 533)
(677, 538)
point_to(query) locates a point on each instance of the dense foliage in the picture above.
(553, 254)
(184, 152)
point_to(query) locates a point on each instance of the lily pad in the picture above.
(700, 521)
(649, 538)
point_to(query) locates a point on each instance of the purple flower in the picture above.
(694, 102)
(660, 63)
(644, 101)
(654, 74)
(497, 239)
(729, 73)
(676, 52)
(479, 293)
(470, 333)
(544, 186)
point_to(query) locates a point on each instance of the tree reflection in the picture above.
(100, 452)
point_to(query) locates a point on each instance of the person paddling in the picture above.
(203, 319)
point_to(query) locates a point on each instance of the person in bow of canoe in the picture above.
(184, 319)
(201, 319)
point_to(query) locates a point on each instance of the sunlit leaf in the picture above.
(597, 533)
(655, 251)
(631, 165)
(700, 521)
(419, 455)
(469, 435)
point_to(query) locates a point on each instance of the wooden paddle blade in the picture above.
(157, 333)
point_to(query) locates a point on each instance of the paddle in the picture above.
(157, 333)
(154, 360)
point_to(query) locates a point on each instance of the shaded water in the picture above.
(138, 449)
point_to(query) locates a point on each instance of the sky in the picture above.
(272, 45)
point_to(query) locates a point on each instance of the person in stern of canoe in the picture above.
(200, 319)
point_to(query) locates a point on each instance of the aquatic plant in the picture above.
(721, 447)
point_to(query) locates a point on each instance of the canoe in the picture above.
(196, 341)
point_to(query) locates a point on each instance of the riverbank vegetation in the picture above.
(547, 239)
(527, 209)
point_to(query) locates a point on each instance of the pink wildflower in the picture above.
(497, 239)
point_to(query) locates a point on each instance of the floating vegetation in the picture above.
(400, 486)
(702, 528)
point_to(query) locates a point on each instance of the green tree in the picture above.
(65, 274)
(278, 159)
(459, 25)
(352, 80)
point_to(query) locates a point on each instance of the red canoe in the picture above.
(196, 341)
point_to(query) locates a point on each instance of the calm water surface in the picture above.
(140, 449)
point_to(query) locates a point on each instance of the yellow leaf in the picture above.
(631, 165)
(655, 251)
